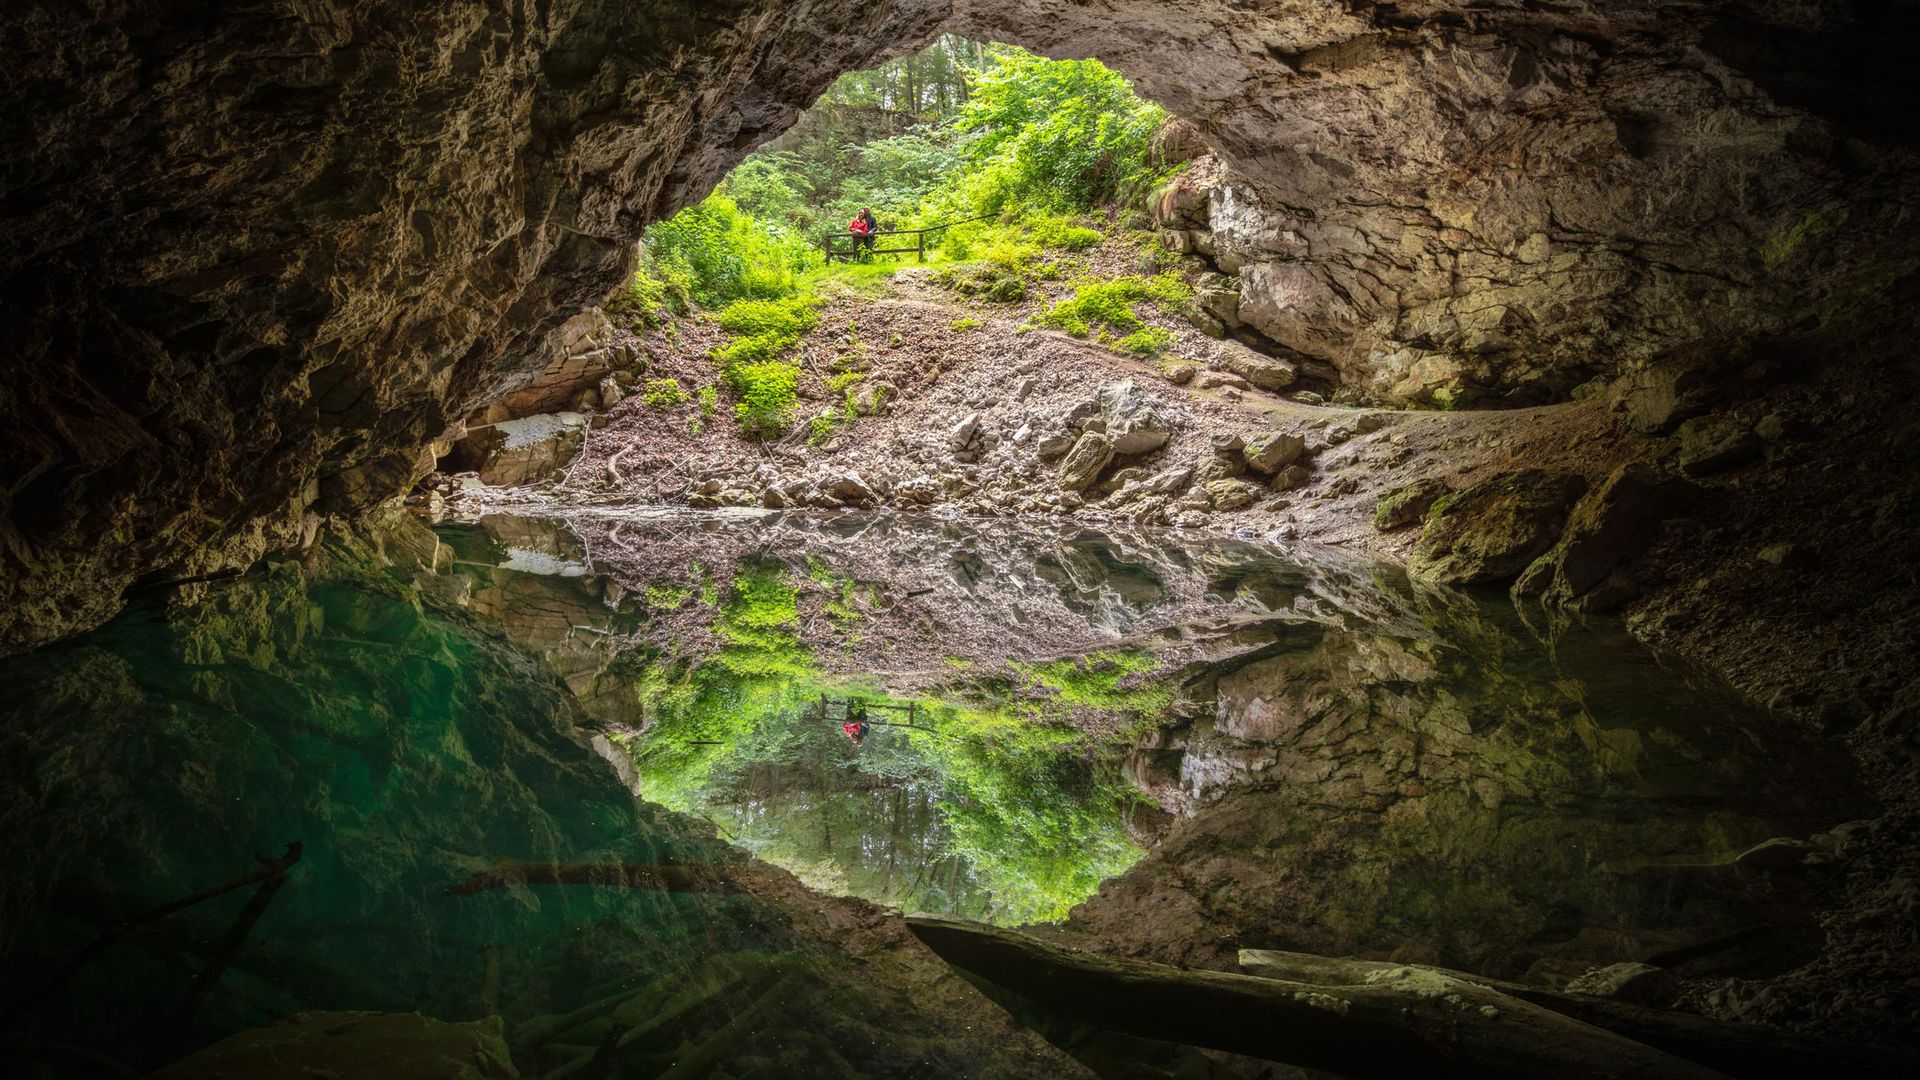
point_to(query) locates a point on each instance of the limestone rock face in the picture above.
(1402, 506)
(250, 248)
(1613, 525)
(1446, 218)
(1490, 532)
(247, 248)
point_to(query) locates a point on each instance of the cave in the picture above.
(1481, 641)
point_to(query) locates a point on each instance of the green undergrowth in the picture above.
(753, 365)
(1106, 310)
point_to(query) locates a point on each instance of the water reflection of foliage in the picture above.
(986, 806)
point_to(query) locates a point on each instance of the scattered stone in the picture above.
(1638, 984)
(1083, 463)
(848, 487)
(872, 399)
(1053, 445)
(1258, 369)
(1209, 380)
(1170, 479)
(1403, 505)
(611, 392)
(965, 433)
(1228, 444)
(1272, 451)
(1713, 444)
(1784, 556)
(1490, 532)
(1133, 419)
(1308, 397)
(1772, 427)
(1291, 477)
(1180, 374)
(1231, 494)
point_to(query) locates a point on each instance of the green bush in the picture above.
(1059, 231)
(1150, 341)
(792, 316)
(716, 253)
(766, 391)
(756, 349)
(663, 394)
(645, 302)
(1108, 305)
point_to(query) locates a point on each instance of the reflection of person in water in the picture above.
(856, 725)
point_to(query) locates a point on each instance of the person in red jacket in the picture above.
(864, 228)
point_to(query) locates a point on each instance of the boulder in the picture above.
(1272, 451)
(1083, 463)
(1712, 444)
(1489, 532)
(1612, 526)
(1169, 480)
(1638, 984)
(872, 398)
(1291, 477)
(1212, 380)
(1403, 505)
(1219, 467)
(1134, 422)
(1179, 374)
(1265, 372)
(847, 487)
(1054, 445)
(1231, 494)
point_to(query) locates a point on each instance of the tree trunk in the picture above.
(1409, 1023)
(1735, 1049)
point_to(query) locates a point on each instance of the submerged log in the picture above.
(1406, 1022)
(1738, 1050)
(653, 877)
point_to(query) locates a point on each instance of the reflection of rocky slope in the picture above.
(1452, 790)
(407, 751)
(926, 589)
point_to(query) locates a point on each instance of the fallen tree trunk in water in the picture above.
(653, 877)
(1408, 1022)
(1738, 1050)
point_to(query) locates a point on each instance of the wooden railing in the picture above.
(846, 246)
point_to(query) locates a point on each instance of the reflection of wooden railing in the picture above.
(832, 242)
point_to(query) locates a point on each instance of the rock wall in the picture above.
(1490, 203)
(256, 259)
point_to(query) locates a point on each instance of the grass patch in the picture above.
(1108, 306)
(663, 394)
(1148, 341)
